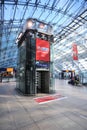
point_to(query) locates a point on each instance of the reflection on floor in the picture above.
(18, 112)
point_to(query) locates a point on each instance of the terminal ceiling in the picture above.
(69, 21)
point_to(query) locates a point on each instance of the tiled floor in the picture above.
(23, 113)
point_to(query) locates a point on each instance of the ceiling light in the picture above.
(41, 25)
(29, 24)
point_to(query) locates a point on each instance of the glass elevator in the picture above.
(35, 62)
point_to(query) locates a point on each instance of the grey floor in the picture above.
(18, 112)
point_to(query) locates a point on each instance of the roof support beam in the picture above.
(1, 19)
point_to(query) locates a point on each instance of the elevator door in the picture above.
(42, 81)
(38, 81)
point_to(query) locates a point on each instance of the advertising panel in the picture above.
(42, 50)
(9, 69)
(41, 64)
(75, 52)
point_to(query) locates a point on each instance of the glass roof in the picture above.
(69, 21)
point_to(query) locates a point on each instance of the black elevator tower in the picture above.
(35, 65)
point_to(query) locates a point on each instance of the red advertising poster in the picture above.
(75, 52)
(42, 50)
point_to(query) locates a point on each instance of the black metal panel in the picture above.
(30, 65)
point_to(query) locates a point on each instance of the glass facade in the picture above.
(69, 22)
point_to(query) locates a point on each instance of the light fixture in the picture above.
(41, 25)
(19, 37)
(29, 24)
